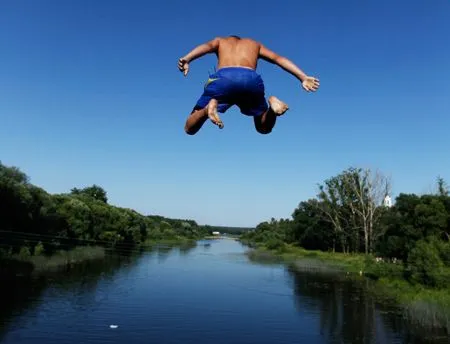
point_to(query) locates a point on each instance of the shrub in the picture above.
(274, 244)
(39, 249)
(24, 252)
(426, 266)
(382, 269)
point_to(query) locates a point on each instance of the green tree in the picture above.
(94, 191)
(442, 187)
(352, 203)
(308, 228)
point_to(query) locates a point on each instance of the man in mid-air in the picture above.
(237, 83)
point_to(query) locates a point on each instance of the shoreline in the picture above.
(30, 265)
(424, 307)
(178, 241)
(16, 266)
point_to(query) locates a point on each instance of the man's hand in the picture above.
(310, 84)
(183, 66)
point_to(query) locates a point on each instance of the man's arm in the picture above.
(202, 49)
(272, 57)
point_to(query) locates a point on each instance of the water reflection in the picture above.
(187, 248)
(349, 313)
(163, 252)
(205, 292)
(80, 284)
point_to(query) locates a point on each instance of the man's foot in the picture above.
(211, 108)
(277, 106)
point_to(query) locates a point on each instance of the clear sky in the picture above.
(90, 94)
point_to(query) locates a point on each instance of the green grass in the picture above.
(229, 237)
(422, 306)
(25, 265)
(66, 258)
(171, 241)
(289, 253)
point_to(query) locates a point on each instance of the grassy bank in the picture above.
(170, 242)
(228, 237)
(422, 306)
(33, 261)
(26, 265)
(310, 260)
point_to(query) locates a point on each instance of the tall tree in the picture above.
(352, 202)
(370, 190)
(442, 187)
(334, 199)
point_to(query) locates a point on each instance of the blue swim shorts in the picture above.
(235, 86)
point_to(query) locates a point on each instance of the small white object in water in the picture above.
(113, 326)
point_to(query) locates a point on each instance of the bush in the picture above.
(39, 249)
(382, 269)
(24, 252)
(445, 253)
(275, 244)
(426, 266)
(169, 233)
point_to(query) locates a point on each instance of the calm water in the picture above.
(203, 294)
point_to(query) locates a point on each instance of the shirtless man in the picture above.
(237, 83)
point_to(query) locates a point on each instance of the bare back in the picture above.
(242, 52)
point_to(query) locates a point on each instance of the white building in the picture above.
(387, 201)
(216, 233)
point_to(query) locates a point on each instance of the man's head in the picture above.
(234, 36)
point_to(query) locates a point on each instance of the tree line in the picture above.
(36, 222)
(349, 215)
(230, 230)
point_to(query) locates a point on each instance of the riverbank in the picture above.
(422, 306)
(228, 237)
(29, 265)
(173, 241)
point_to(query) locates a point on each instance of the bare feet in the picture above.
(277, 106)
(212, 113)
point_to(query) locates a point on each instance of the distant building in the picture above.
(387, 201)
(216, 233)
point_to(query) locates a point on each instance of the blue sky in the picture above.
(90, 94)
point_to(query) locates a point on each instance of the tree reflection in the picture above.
(348, 313)
(20, 294)
(163, 253)
(186, 248)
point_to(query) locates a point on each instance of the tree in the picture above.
(309, 229)
(335, 198)
(13, 173)
(442, 187)
(94, 191)
(352, 201)
(370, 190)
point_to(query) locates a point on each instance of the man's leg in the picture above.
(195, 121)
(199, 116)
(266, 122)
(253, 103)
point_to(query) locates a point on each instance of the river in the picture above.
(207, 293)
